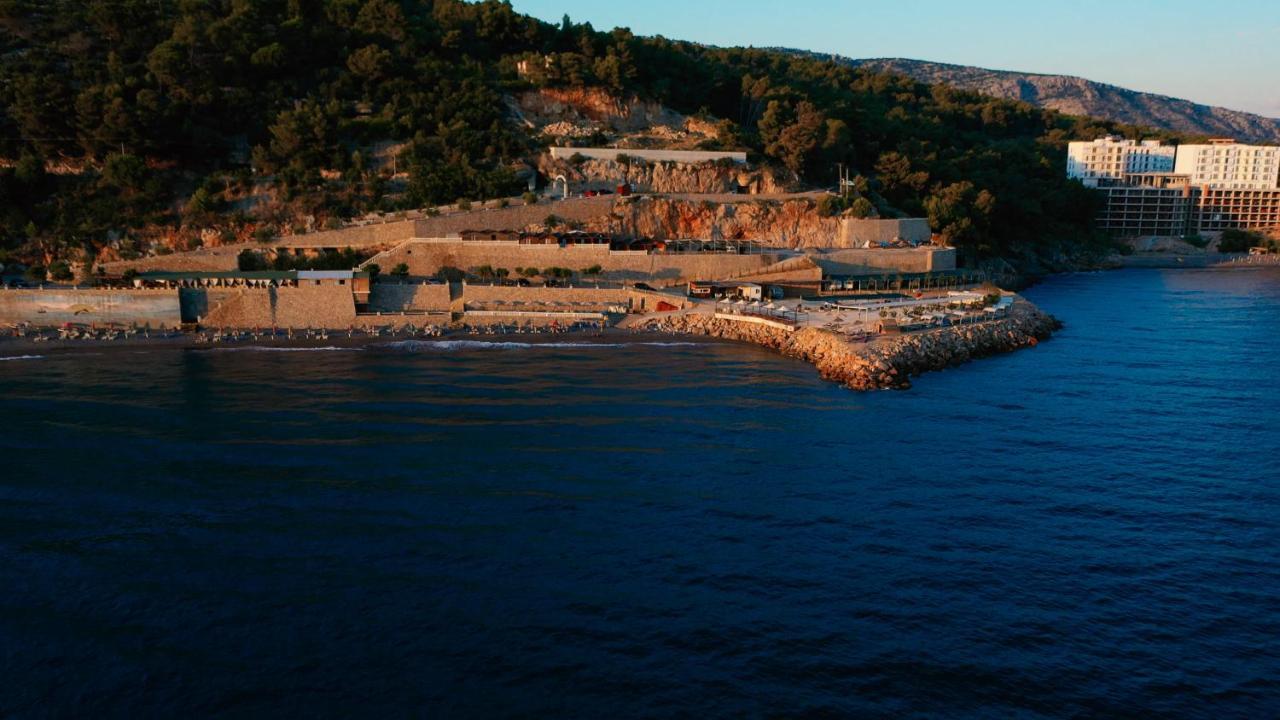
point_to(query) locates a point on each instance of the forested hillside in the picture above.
(120, 119)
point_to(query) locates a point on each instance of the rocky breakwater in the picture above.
(886, 362)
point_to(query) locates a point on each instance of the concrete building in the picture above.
(1160, 190)
(1178, 211)
(1228, 165)
(1111, 157)
(873, 232)
(1132, 211)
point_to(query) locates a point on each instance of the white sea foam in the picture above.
(22, 357)
(262, 348)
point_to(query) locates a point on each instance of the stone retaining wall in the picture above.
(426, 257)
(490, 294)
(412, 297)
(355, 236)
(875, 261)
(515, 217)
(307, 306)
(859, 232)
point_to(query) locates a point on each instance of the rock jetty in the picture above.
(884, 362)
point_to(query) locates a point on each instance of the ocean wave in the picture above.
(264, 348)
(22, 357)
(448, 345)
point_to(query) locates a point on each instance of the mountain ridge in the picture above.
(1080, 96)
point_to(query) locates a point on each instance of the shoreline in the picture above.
(885, 362)
(14, 348)
(880, 362)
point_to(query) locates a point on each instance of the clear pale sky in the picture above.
(1217, 52)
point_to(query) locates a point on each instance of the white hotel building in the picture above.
(1111, 158)
(1154, 189)
(1225, 165)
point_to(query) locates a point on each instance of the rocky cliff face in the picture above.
(1078, 96)
(886, 363)
(667, 177)
(776, 223)
(564, 114)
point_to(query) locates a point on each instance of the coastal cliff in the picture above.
(887, 362)
(776, 223)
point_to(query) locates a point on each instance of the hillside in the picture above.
(134, 127)
(1078, 96)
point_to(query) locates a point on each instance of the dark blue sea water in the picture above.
(1088, 528)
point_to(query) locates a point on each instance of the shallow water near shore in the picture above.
(652, 528)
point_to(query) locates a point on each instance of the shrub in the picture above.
(60, 270)
(129, 275)
(593, 270)
(463, 204)
(577, 158)
(1238, 241)
(862, 208)
(37, 273)
(250, 261)
(504, 203)
(829, 205)
(1195, 240)
(374, 270)
(530, 198)
(551, 221)
(400, 270)
(264, 234)
(450, 274)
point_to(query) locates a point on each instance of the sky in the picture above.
(1216, 52)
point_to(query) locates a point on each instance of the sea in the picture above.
(648, 526)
